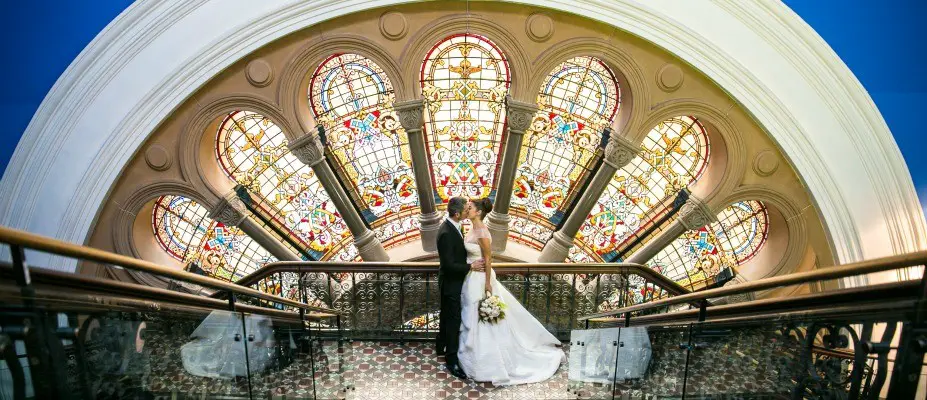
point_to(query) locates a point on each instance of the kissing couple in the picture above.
(511, 351)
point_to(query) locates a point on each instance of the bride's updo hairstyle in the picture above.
(484, 205)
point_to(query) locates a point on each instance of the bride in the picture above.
(515, 350)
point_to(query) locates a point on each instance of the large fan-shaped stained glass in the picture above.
(465, 79)
(696, 257)
(185, 231)
(673, 155)
(579, 99)
(253, 151)
(352, 98)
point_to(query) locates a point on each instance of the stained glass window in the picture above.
(353, 99)
(674, 155)
(184, 229)
(579, 99)
(464, 81)
(696, 257)
(253, 152)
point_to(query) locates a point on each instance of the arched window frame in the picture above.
(297, 203)
(440, 97)
(352, 99)
(183, 229)
(578, 100)
(696, 257)
(657, 148)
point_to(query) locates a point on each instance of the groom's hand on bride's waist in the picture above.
(477, 266)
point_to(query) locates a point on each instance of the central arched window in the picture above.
(673, 155)
(185, 231)
(464, 79)
(697, 256)
(579, 99)
(253, 151)
(352, 98)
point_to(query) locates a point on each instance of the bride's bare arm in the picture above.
(486, 250)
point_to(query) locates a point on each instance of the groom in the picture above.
(451, 275)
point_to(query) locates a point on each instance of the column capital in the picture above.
(695, 214)
(519, 115)
(230, 211)
(619, 151)
(308, 149)
(410, 114)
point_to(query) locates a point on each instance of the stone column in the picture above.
(310, 150)
(410, 116)
(519, 116)
(231, 211)
(619, 151)
(694, 214)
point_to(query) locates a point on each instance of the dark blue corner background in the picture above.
(883, 42)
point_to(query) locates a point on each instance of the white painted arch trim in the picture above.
(159, 52)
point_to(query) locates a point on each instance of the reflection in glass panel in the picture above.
(352, 98)
(577, 101)
(696, 257)
(184, 229)
(674, 155)
(465, 79)
(253, 151)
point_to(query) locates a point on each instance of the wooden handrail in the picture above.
(49, 245)
(432, 267)
(836, 272)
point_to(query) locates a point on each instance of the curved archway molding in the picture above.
(779, 70)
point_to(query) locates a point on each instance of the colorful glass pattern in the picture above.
(674, 155)
(464, 79)
(696, 257)
(577, 102)
(253, 151)
(423, 323)
(352, 98)
(185, 231)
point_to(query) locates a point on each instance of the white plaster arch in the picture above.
(159, 52)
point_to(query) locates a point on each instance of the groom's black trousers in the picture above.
(450, 321)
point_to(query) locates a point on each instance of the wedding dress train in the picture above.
(515, 350)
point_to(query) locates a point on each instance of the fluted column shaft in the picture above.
(519, 117)
(410, 116)
(694, 214)
(231, 211)
(618, 153)
(310, 150)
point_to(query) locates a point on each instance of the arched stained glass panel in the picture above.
(674, 155)
(696, 257)
(185, 231)
(465, 79)
(577, 101)
(253, 152)
(353, 99)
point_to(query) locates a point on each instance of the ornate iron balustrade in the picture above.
(401, 300)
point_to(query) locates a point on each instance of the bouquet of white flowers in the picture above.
(492, 309)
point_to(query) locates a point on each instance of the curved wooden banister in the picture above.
(836, 272)
(49, 245)
(432, 267)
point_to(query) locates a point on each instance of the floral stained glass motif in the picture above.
(577, 102)
(673, 155)
(352, 98)
(696, 257)
(184, 229)
(464, 79)
(253, 152)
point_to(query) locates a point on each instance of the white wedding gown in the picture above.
(515, 350)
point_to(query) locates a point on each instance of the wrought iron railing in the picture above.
(859, 343)
(401, 300)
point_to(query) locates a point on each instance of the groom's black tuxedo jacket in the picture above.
(453, 258)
